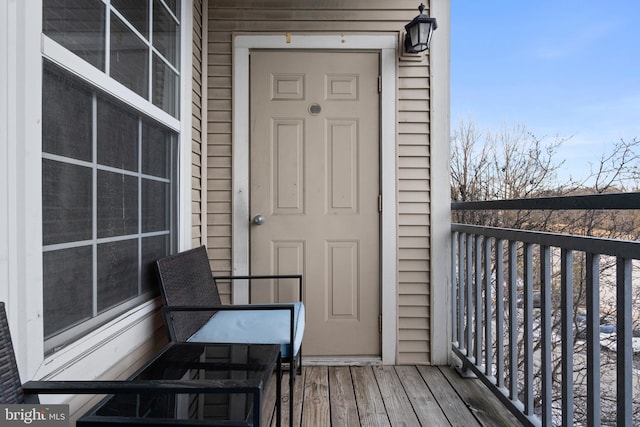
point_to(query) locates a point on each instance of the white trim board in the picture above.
(440, 200)
(386, 44)
(21, 263)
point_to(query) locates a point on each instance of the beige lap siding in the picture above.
(226, 17)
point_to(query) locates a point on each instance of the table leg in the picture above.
(292, 377)
(256, 408)
(279, 390)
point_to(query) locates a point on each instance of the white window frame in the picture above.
(386, 44)
(24, 47)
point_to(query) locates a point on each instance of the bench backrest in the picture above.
(186, 280)
(10, 385)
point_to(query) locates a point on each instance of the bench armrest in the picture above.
(250, 278)
(127, 386)
(278, 306)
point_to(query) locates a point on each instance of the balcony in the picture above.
(550, 320)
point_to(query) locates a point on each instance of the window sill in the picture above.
(96, 352)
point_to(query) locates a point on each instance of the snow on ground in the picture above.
(609, 341)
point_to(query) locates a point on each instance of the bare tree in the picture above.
(508, 164)
(511, 163)
(617, 169)
(469, 162)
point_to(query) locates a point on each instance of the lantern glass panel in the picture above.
(414, 33)
(424, 33)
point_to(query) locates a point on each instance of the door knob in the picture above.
(258, 219)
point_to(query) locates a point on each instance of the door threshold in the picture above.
(341, 361)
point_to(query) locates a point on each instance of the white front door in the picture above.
(315, 178)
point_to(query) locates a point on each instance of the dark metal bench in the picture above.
(193, 310)
(161, 380)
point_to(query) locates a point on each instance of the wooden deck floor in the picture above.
(342, 396)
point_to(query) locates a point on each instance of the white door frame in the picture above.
(386, 44)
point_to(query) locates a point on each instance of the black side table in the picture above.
(196, 384)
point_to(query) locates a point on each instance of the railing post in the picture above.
(593, 340)
(566, 297)
(528, 328)
(546, 308)
(454, 290)
(624, 337)
(478, 301)
(487, 308)
(513, 320)
(461, 292)
(500, 313)
(469, 297)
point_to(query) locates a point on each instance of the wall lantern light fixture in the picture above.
(419, 32)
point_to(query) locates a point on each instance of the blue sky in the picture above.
(558, 67)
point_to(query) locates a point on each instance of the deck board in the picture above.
(315, 404)
(424, 404)
(364, 396)
(344, 409)
(454, 408)
(399, 409)
(370, 404)
(475, 395)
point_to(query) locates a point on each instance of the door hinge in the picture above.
(379, 202)
(380, 323)
(379, 84)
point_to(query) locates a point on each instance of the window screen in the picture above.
(108, 205)
(136, 42)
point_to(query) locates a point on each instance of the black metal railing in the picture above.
(546, 319)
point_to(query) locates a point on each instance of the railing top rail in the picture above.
(627, 249)
(614, 201)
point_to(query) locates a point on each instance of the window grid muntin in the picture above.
(77, 162)
(94, 236)
(140, 260)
